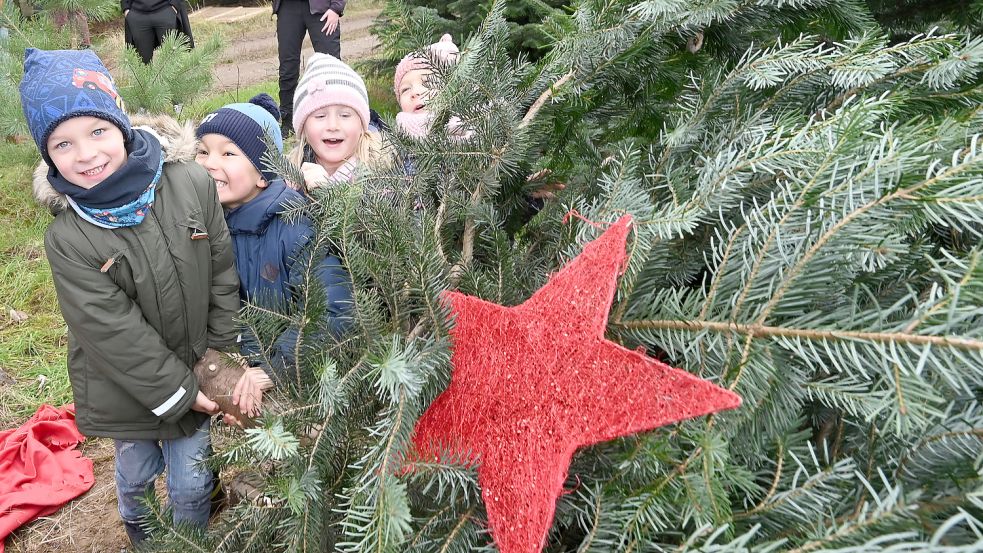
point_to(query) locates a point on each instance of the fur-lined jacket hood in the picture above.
(177, 139)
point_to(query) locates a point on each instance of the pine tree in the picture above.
(175, 75)
(21, 32)
(808, 198)
(461, 18)
(906, 18)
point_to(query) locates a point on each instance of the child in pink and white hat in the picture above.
(410, 84)
(331, 120)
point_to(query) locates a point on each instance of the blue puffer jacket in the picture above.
(270, 256)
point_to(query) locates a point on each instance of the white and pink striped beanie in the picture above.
(328, 81)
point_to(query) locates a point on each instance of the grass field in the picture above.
(33, 352)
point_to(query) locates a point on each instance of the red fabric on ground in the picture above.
(534, 382)
(40, 469)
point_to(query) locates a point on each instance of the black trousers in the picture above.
(293, 20)
(148, 29)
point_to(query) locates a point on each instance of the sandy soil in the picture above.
(253, 59)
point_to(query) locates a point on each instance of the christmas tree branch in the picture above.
(589, 538)
(543, 98)
(721, 268)
(400, 405)
(967, 276)
(800, 264)
(759, 330)
(862, 496)
(797, 268)
(460, 525)
(708, 482)
(843, 96)
(11, 25)
(828, 161)
(902, 408)
(166, 526)
(467, 241)
(654, 490)
(814, 481)
(975, 432)
(233, 532)
(774, 485)
(430, 521)
(849, 529)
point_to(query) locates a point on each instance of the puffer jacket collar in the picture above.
(254, 217)
(177, 139)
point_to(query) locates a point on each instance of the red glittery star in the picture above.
(533, 383)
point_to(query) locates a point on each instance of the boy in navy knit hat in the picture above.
(141, 261)
(271, 252)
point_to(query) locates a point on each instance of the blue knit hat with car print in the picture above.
(246, 125)
(61, 84)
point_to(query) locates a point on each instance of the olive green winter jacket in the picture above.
(143, 303)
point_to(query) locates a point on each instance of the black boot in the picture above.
(136, 534)
(287, 125)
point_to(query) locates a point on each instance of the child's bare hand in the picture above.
(248, 393)
(547, 190)
(230, 420)
(204, 405)
(314, 175)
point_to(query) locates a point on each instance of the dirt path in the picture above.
(253, 58)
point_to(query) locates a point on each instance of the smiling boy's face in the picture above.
(236, 178)
(413, 91)
(86, 150)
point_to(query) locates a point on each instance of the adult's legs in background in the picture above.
(325, 44)
(148, 29)
(290, 28)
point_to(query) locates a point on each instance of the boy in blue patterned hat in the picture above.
(272, 252)
(142, 265)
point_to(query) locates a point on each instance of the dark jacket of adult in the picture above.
(144, 302)
(272, 253)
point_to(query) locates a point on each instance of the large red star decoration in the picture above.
(532, 383)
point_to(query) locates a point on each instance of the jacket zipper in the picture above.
(189, 351)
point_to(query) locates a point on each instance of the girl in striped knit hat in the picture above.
(331, 121)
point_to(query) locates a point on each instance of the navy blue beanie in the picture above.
(61, 84)
(246, 124)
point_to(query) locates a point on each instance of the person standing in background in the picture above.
(147, 22)
(294, 18)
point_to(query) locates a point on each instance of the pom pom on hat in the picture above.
(61, 84)
(267, 102)
(328, 81)
(443, 51)
(246, 125)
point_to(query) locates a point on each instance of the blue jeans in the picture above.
(189, 482)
